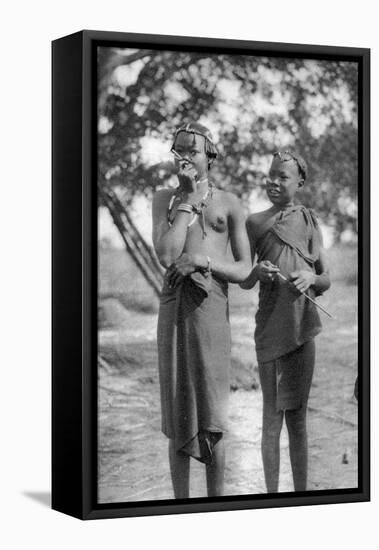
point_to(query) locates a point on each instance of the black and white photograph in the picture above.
(227, 274)
(189, 230)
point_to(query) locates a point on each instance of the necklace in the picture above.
(198, 209)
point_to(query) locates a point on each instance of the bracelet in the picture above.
(184, 207)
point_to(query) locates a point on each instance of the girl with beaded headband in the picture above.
(192, 228)
(292, 270)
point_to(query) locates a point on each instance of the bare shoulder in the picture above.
(256, 219)
(256, 223)
(163, 195)
(162, 198)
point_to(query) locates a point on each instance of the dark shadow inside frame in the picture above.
(74, 204)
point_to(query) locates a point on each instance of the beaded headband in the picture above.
(198, 130)
(289, 155)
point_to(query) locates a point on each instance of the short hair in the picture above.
(196, 128)
(292, 155)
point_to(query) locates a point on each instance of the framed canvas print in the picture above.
(210, 275)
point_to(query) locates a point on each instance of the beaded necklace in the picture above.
(198, 209)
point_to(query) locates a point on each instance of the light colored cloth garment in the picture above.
(285, 318)
(194, 359)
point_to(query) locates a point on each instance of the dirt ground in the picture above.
(133, 464)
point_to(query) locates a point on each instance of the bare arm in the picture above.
(252, 278)
(237, 270)
(262, 271)
(231, 271)
(168, 241)
(322, 277)
(319, 281)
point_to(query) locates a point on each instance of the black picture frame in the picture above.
(74, 271)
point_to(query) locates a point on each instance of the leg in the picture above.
(215, 470)
(180, 470)
(297, 427)
(298, 443)
(271, 427)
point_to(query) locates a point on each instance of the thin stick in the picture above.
(306, 295)
(179, 157)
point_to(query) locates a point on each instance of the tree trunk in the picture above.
(142, 254)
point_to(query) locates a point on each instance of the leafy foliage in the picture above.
(253, 105)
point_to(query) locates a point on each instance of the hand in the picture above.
(183, 266)
(303, 279)
(266, 271)
(187, 175)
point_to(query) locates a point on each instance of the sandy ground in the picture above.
(133, 463)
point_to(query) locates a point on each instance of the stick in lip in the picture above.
(306, 295)
(179, 157)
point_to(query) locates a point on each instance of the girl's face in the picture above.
(192, 148)
(283, 181)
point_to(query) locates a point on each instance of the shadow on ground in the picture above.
(41, 497)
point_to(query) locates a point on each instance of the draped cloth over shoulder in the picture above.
(194, 357)
(298, 228)
(286, 319)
